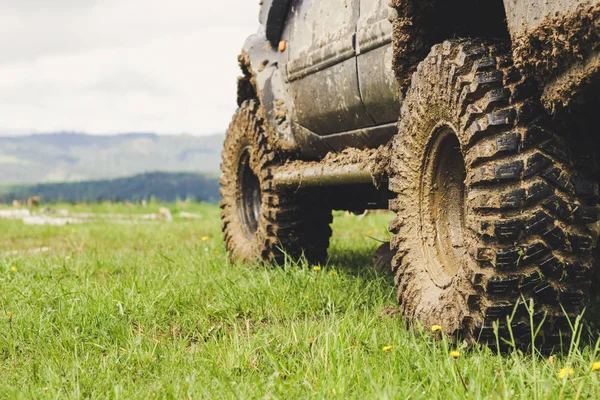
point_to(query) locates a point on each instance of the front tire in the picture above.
(259, 221)
(490, 209)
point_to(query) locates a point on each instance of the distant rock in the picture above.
(187, 215)
(165, 213)
(33, 201)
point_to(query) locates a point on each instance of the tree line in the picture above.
(163, 186)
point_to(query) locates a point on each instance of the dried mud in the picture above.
(468, 299)
(380, 165)
(246, 82)
(299, 226)
(390, 312)
(351, 155)
(382, 260)
(574, 87)
(409, 33)
(558, 43)
(373, 160)
(248, 90)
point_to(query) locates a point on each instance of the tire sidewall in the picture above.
(242, 137)
(430, 106)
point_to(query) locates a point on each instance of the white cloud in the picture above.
(111, 66)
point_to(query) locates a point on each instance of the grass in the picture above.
(154, 310)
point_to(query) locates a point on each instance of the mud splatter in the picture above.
(374, 160)
(557, 44)
(280, 111)
(382, 260)
(246, 82)
(366, 160)
(409, 33)
(574, 87)
(380, 166)
(390, 312)
(363, 157)
(351, 156)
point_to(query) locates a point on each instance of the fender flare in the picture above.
(263, 80)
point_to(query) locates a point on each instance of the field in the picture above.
(134, 308)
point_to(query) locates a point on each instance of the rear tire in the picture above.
(490, 209)
(260, 222)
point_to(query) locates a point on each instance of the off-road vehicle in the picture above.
(472, 120)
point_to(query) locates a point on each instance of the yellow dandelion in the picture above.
(387, 348)
(369, 232)
(305, 297)
(564, 372)
(316, 268)
(455, 354)
(204, 238)
(73, 230)
(596, 366)
(217, 252)
(13, 268)
(436, 328)
(9, 314)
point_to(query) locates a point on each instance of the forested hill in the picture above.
(163, 186)
(56, 157)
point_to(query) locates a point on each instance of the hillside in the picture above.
(160, 185)
(56, 157)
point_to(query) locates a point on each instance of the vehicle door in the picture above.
(378, 85)
(321, 66)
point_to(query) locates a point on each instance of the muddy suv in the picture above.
(469, 119)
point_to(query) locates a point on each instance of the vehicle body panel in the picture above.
(334, 85)
(378, 85)
(321, 70)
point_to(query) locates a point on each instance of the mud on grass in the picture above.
(154, 310)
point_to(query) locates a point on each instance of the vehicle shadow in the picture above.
(359, 262)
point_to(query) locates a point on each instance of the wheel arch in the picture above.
(263, 80)
(419, 25)
(246, 84)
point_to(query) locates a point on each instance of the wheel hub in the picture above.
(250, 198)
(443, 207)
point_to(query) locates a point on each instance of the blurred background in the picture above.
(95, 90)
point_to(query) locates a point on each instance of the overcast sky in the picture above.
(111, 66)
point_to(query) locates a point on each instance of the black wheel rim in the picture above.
(250, 199)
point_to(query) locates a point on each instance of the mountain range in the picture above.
(68, 157)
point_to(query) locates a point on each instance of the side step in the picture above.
(352, 166)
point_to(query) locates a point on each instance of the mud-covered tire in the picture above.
(283, 223)
(528, 218)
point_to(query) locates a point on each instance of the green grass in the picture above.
(151, 310)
